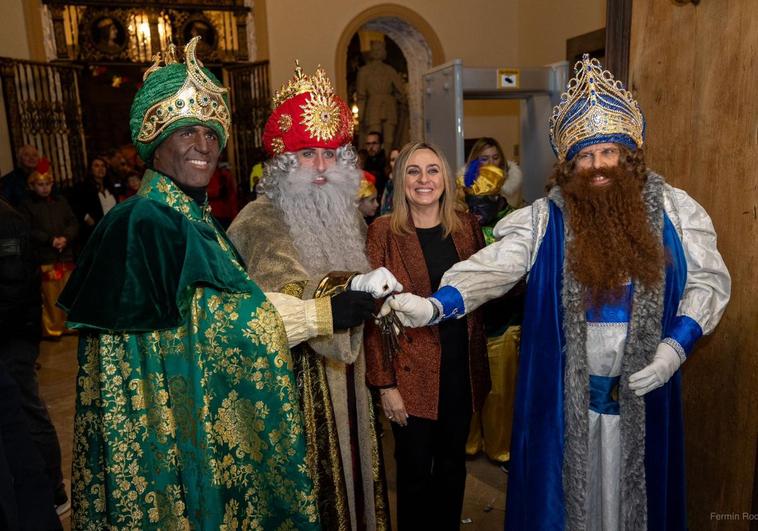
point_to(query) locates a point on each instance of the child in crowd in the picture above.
(53, 229)
(367, 203)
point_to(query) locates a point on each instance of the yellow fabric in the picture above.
(255, 175)
(488, 182)
(491, 427)
(53, 318)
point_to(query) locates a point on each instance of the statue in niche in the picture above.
(379, 89)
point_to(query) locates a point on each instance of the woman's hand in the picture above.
(393, 406)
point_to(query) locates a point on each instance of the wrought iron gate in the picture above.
(43, 110)
(251, 105)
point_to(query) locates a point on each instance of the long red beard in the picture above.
(612, 238)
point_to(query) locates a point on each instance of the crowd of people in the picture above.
(232, 365)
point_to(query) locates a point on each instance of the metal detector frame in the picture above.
(539, 89)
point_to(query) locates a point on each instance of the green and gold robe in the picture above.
(187, 411)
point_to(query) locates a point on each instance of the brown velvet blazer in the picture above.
(416, 369)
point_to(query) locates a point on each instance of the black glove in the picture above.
(351, 308)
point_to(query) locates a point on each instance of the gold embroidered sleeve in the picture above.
(303, 319)
(323, 317)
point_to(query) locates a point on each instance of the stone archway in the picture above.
(418, 42)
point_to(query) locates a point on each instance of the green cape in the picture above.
(155, 256)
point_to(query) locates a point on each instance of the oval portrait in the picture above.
(203, 28)
(108, 35)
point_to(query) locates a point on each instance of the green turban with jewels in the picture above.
(177, 95)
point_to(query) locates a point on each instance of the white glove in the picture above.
(379, 283)
(665, 363)
(412, 310)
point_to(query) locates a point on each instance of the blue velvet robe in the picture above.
(535, 489)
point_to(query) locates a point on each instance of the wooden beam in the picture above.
(592, 43)
(618, 32)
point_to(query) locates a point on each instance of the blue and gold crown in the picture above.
(595, 108)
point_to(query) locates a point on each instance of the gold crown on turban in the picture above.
(199, 97)
(595, 108)
(488, 182)
(317, 84)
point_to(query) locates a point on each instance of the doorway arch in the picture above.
(415, 38)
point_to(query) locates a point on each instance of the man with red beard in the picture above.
(623, 277)
(303, 239)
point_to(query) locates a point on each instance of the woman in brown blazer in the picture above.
(440, 377)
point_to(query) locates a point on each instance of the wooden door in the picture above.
(695, 73)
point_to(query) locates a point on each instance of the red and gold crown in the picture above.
(367, 188)
(307, 114)
(41, 173)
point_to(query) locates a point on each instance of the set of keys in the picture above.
(391, 329)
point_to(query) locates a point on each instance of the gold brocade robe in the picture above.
(186, 407)
(330, 369)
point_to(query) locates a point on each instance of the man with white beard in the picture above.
(304, 238)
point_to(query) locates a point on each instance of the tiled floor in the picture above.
(484, 505)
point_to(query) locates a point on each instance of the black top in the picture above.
(13, 186)
(376, 166)
(50, 217)
(84, 198)
(199, 194)
(440, 255)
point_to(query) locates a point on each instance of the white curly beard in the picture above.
(323, 220)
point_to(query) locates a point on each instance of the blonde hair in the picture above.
(484, 143)
(399, 218)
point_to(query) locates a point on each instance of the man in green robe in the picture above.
(187, 410)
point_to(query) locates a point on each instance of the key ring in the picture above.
(391, 330)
